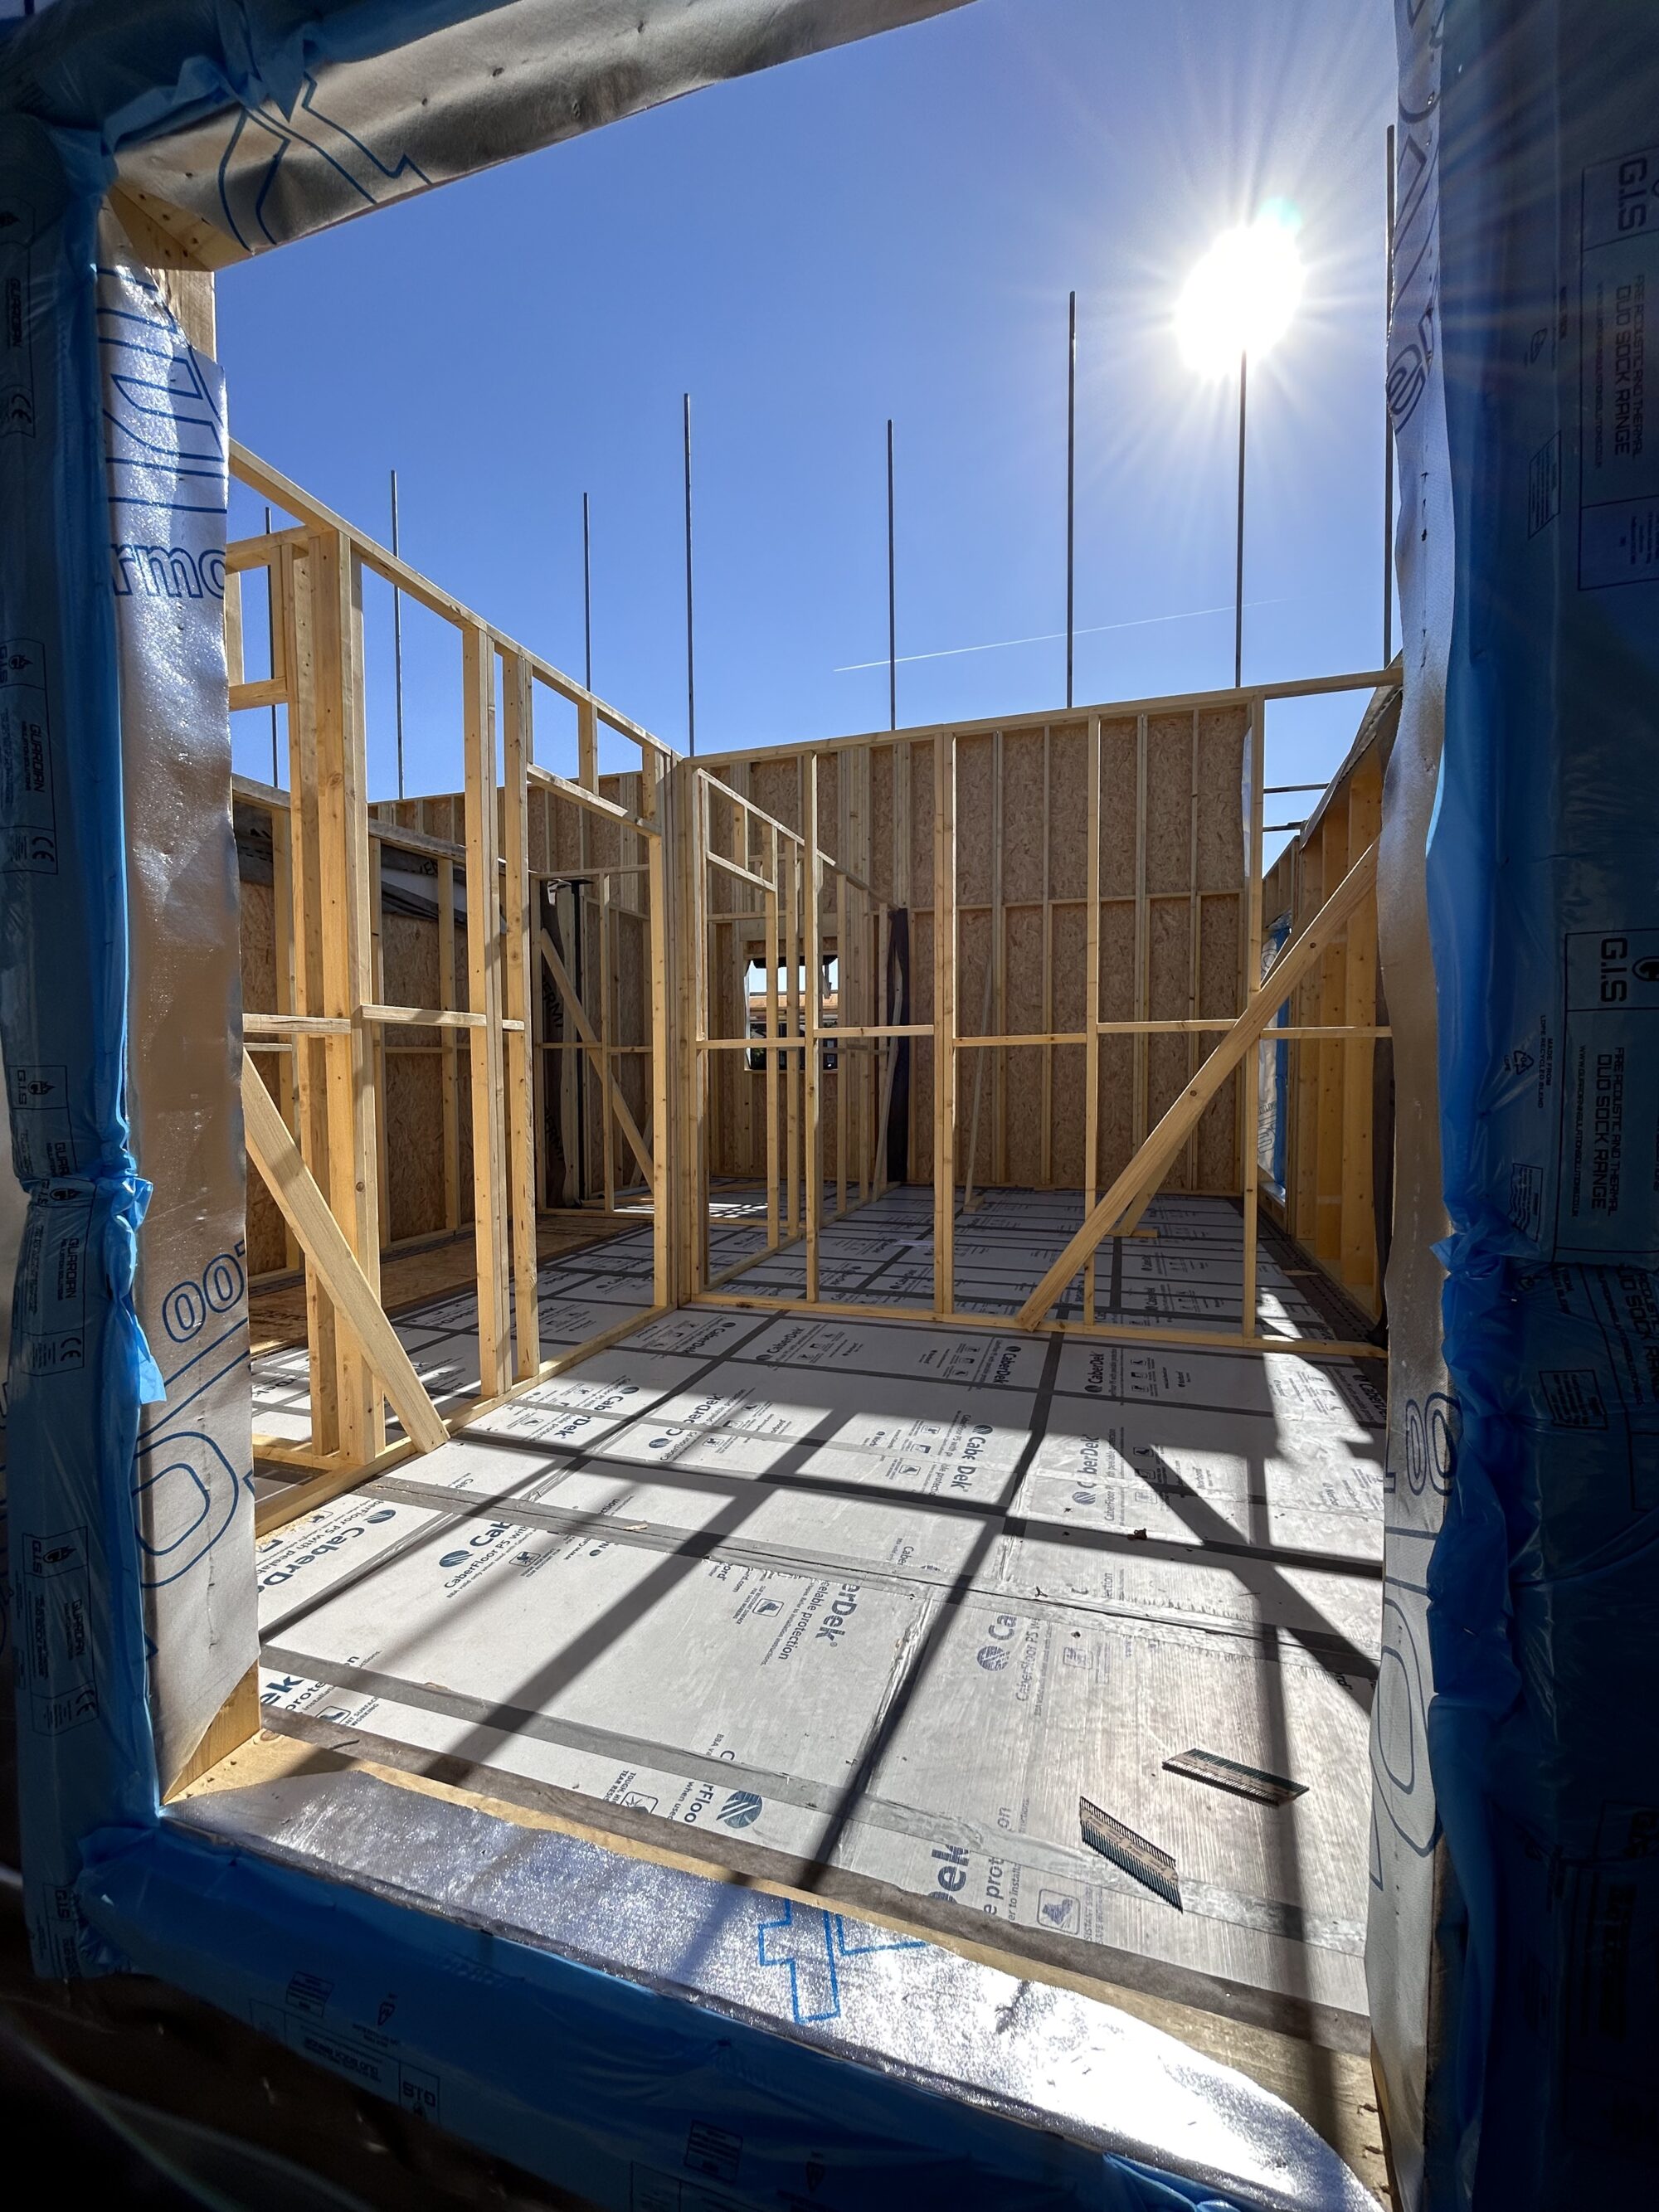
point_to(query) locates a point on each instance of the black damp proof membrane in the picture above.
(1153, 1868)
(1251, 1782)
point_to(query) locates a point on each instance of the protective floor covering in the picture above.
(909, 1616)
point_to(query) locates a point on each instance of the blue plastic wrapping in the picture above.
(618, 2092)
(1543, 871)
(79, 1367)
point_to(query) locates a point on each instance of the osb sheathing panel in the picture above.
(1023, 1070)
(1168, 840)
(1070, 948)
(266, 1232)
(413, 1204)
(1068, 791)
(774, 787)
(1117, 1053)
(1220, 938)
(1117, 808)
(1117, 960)
(415, 1149)
(974, 811)
(1020, 826)
(258, 949)
(921, 828)
(972, 964)
(830, 804)
(1220, 799)
(409, 954)
(1168, 1069)
(881, 822)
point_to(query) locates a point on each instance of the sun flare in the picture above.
(1241, 297)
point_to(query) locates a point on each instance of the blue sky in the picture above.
(889, 230)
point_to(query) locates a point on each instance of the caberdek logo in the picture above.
(490, 1535)
(741, 1809)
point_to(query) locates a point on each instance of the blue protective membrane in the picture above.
(618, 2092)
(1542, 868)
(79, 1367)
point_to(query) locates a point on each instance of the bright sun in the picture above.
(1241, 295)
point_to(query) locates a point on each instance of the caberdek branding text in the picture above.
(485, 1539)
(843, 1607)
(974, 1446)
(953, 1869)
(323, 1545)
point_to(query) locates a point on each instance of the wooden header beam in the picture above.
(1110, 710)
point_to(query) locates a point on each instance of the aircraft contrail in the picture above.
(1052, 636)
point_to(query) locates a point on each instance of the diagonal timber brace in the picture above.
(630, 1127)
(305, 1210)
(1149, 1166)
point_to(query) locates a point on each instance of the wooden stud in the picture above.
(377, 1061)
(347, 953)
(944, 1021)
(1046, 1172)
(1250, 1078)
(282, 909)
(811, 1135)
(293, 594)
(1138, 1101)
(700, 1022)
(997, 961)
(889, 1049)
(233, 627)
(483, 953)
(795, 1064)
(1358, 1233)
(517, 747)
(772, 1053)
(607, 1016)
(843, 1069)
(662, 1228)
(449, 1071)
(1195, 943)
(1326, 1240)
(1091, 1001)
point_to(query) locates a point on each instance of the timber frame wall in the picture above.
(1083, 898)
(1171, 901)
(587, 885)
(1150, 822)
(322, 1153)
